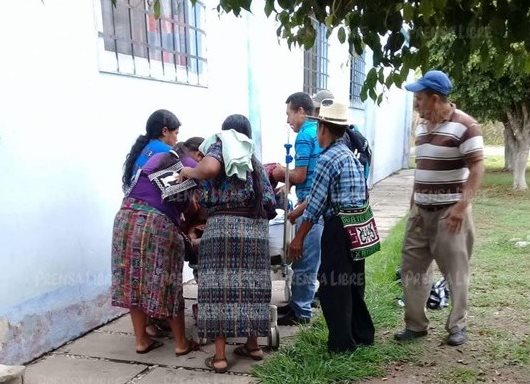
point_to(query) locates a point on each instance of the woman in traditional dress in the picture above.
(148, 254)
(161, 132)
(234, 262)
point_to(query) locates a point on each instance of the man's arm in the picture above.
(295, 248)
(296, 175)
(455, 216)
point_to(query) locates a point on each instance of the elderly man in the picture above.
(449, 170)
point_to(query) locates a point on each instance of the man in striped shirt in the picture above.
(449, 170)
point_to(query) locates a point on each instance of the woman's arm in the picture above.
(208, 168)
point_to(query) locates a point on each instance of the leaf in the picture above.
(381, 75)
(408, 12)
(379, 98)
(156, 8)
(389, 80)
(342, 35)
(309, 36)
(426, 9)
(371, 78)
(364, 92)
(372, 93)
(328, 21)
(269, 7)
(439, 5)
(286, 4)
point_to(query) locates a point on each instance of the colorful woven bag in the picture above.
(361, 231)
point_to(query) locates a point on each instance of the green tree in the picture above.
(491, 92)
(397, 32)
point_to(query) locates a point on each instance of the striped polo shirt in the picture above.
(442, 158)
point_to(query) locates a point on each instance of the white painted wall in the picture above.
(65, 129)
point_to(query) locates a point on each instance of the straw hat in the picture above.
(332, 111)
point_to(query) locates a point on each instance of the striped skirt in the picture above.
(147, 261)
(234, 278)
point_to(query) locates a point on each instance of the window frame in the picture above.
(316, 62)
(357, 78)
(182, 61)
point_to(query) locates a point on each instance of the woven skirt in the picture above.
(234, 278)
(147, 261)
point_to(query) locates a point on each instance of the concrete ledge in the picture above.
(12, 374)
(29, 330)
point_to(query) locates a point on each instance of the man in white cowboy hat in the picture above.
(338, 182)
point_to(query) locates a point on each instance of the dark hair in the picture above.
(183, 148)
(155, 124)
(301, 100)
(238, 123)
(241, 124)
(335, 129)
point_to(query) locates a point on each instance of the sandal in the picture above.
(210, 363)
(245, 351)
(192, 346)
(154, 345)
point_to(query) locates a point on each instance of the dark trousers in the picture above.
(342, 292)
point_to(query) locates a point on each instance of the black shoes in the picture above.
(457, 338)
(283, 310)
(407, 334)
(291, 319)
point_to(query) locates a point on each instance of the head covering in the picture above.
(321, 95)
(334, 112)
(433, 80)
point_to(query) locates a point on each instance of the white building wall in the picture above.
(65, 129)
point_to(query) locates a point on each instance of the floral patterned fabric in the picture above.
(227, 193)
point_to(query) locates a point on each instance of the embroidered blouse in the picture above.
(231, 193)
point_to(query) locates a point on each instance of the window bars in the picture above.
(316, 63)
(171, 47)
(357, 77)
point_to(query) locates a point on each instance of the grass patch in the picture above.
(307, 359)
(460, 375)
(498, 325)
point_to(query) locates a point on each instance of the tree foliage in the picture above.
(491, 91)
(398, 32)
(482, 86)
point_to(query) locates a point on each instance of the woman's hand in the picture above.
(185, 173)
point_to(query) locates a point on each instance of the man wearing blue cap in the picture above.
(449, 170)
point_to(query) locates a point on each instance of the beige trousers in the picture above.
(427, 239)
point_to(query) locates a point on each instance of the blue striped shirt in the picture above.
(307, 152)
(338, 182)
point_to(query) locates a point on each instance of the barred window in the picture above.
(171, 48)
(357, 77)
(316, 63)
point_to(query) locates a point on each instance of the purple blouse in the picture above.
(146, 191)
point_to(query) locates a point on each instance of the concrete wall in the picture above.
(65, 128)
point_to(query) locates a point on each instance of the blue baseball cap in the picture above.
(434, 80)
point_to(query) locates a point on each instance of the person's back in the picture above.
(360, 147)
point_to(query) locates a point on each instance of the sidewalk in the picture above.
(106, 355)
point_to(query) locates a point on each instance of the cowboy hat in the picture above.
(334, 112)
